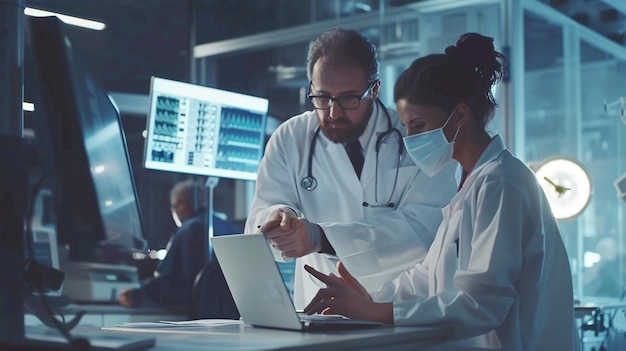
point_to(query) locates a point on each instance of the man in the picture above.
(187, 251)
(313, 204)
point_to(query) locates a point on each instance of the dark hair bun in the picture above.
(464, 74)
(477, 52)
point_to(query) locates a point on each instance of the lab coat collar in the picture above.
(373, 124)
(376, 126)
(493, 150)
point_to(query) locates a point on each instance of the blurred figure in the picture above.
(187, 251)
(602, 279)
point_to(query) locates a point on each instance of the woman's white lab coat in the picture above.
(497, 268)
(384, 241)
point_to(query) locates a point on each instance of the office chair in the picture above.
(210, 295)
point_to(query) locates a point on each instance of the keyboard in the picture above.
(320, 317)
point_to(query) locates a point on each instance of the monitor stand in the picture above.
(211, 183)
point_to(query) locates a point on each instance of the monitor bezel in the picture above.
(82, 226)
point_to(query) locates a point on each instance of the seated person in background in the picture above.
(497, 273)
(187, 251)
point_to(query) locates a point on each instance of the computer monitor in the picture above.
(44, 242)
(204, 131)
(83, 151)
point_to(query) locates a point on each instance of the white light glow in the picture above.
(108, 203)
(161, 254)
(98, 169)
(567, 187)
(591, 258)
(28, 106)
(75, 21)
(139, 256)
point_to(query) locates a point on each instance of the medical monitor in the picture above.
(83, 151)
(204, 131)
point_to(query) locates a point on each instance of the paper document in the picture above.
(203, 322)
(175, 324)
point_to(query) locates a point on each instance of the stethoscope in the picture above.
(310, 182)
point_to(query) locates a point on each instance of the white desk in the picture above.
(244, 337)
(239, 337)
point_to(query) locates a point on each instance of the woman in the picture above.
(497, 273)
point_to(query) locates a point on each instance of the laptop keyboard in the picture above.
(320, 317)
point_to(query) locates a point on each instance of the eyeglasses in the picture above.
(346, 102)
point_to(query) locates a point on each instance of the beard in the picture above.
(342, 130)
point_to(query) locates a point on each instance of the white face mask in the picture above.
(430, 150)
(176, 219)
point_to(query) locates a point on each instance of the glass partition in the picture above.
(568, 78)
(563, 76)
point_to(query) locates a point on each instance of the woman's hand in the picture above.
(344, 295)
(351, 280)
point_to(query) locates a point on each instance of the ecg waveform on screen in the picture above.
(166, 129)
(240, 140)
(242, 120)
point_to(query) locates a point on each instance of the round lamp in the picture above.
(566, 185)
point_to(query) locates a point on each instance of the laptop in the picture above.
(260, 292)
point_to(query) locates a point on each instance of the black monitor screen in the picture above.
(204, 131)
(84, 146)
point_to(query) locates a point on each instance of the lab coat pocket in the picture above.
(448, 264)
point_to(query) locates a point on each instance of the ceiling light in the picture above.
(75, 21)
